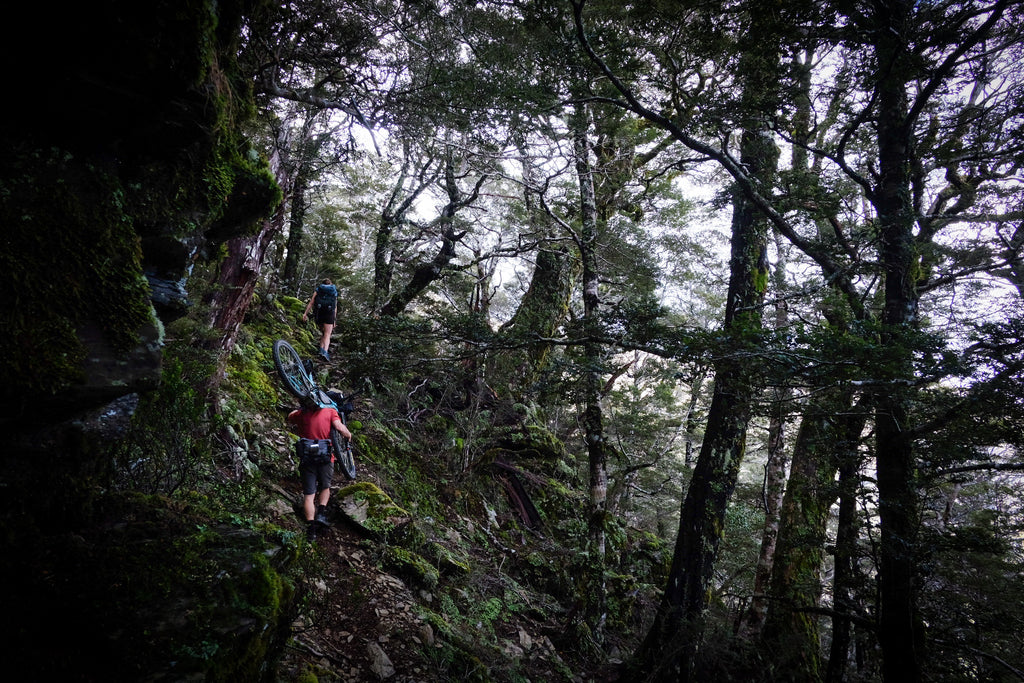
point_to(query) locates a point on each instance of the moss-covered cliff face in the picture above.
(123, 163)
(127, 162)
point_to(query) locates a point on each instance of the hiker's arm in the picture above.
(309, 307)
(340, 426)
(291, 421)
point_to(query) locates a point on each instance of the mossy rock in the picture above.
(411, 567)
(448, 561)
(532, 441)
(371, 510)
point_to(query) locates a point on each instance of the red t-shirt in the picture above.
(313, 424)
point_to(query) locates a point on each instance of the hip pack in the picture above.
(313, 451)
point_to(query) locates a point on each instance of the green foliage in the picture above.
(86, 274)
(167, 447)
(411, 567)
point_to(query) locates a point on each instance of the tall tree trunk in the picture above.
(697, 380)
(846, 576)
(239, 271)
(425, 273)
(901, 632)
(669, 650)
(593, 420)
(296, 235)
(774, 470)
(791, 630)
(300, 150)
(544, 305)
(383, 266)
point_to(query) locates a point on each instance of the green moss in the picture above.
(411, 567)
(291, 305)
(761, 281)
(446, 559)
(70, 260)
(382, 515)
(532, 440)
(249, 376)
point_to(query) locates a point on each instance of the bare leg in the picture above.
(325, 340)
(309, 507)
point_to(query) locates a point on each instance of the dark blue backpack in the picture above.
(326, 297)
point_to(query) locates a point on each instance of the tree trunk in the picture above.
(296, 233)
(791, 631)
(383, 268)
(774, 472)
(901, 632)
(544, 305)
(846, 577)
(239, 272)
(593, 420)
(669, 650)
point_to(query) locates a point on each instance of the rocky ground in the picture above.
(357, 621)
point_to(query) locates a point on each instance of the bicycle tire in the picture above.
(289, 367)
(343, 454)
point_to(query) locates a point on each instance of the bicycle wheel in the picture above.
(343, 454)
(289, 367)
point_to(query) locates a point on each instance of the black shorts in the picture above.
(324, 315)
(316, 478)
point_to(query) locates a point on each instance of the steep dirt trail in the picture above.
(355, 620)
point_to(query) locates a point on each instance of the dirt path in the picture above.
(356, 620)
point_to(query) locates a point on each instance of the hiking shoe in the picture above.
(324, 354)
(321, 516)
(311, 532)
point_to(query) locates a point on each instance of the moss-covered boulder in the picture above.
(371, 510)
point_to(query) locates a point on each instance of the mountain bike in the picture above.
(297, 376)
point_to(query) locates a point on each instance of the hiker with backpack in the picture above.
(324, 303)
(316, 460)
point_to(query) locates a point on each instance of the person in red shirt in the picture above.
(314, 422)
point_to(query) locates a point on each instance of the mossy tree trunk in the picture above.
(669, 651)
(236, 279)
(791, 630)
(545, 304)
